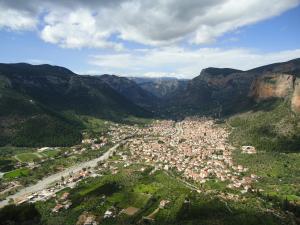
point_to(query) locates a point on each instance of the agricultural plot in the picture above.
(23, 172)
(28, 157)
(33, 156)
(133, 196)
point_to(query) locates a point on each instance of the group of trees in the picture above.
(25, 214)
(46, 131)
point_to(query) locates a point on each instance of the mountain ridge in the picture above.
(36, 99)
(222, 92)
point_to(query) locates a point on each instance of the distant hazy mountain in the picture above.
(131, 90)
(33, 100)
(163, 87)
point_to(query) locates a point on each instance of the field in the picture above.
(7, 157)
(28, 157)
(133, 188)
(10, 151)
(35, 156)
(23, 172)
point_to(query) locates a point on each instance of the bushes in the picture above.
(20, 215)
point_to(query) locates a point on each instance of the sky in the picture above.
(149, 37)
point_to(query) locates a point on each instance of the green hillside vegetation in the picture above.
(20, 215)
(54, 132)
(279, 173)
(23, 172)
(274, 130)
(25, 122)
(270, 126)
(42, 105)
(132, 188)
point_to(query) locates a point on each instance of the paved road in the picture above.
(179, 130)
(45, 182)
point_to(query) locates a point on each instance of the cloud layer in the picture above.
(184, 63)
(159, 25)
(105, 24)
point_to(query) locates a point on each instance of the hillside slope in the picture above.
(25, 122)
(163, 87)
(34, 98)
(131, 90)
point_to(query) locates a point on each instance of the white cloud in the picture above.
(78, 24)
(78, 29)
(14, 19)
(160, 24)
(185, 63)
(38, 61)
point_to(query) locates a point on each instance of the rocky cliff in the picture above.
(284, 86)
(296, 96)
(226, 91)
(272, 85)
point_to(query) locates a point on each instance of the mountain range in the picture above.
(39, 104)
(162, 87)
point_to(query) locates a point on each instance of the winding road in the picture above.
(47, 181)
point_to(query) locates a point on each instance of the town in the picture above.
(196, 148)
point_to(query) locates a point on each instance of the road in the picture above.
(47, 181)
(179, 130)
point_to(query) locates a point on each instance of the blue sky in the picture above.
(149, 38)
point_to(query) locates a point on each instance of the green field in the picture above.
(50, 153)
(10, 151)
(132, 188)
(28, 157)
(23, 172)
(33, 156)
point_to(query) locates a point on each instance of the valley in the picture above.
(149, 112)
(155, 164)
(222, 148)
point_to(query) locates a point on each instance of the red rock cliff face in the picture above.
(272, 86)
(296, 96)
(277, 86)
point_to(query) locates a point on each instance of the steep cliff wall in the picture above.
(277, 86)
(272, 86)
(296, 96)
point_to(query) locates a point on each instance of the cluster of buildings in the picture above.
(118, 133)
(94, 143)
(87, 219)
(62, 203)
(38, 196)
(50, 192)
(196, 148)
